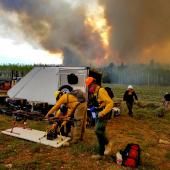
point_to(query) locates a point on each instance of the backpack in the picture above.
(131, 155)
(110, 92)
(79, 95)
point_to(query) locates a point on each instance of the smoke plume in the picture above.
(140, 28)
(56, 25)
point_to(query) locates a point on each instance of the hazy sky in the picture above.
(22, 52)
(16, 49)
(34, 31)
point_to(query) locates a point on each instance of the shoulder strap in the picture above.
(73, 102)
(98, 93)
(76, 107)
(67, 97)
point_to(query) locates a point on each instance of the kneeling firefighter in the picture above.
(105, 105)
(76, 112)
(60, 116)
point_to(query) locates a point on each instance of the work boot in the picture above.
(131, 115)
(97, 157)
(108, 149)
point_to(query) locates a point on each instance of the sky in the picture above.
(15, 49)
(23, 53)
(84, 32)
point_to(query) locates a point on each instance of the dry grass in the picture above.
(145, 128)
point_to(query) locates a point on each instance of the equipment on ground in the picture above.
(36, 136)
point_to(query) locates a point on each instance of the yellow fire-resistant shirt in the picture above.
(68, 99)
(104, 100)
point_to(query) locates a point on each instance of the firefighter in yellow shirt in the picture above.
(77, 109)
(105, 105)
(61, 115)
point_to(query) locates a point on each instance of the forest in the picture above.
(151, 74)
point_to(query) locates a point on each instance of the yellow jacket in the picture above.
(104, 100)
(68, 99)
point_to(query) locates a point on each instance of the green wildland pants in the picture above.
(100, 133)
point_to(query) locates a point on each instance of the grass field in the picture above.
(145, 128)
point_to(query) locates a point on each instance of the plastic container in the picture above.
(118, 158)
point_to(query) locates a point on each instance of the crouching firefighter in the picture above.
(76, 112)
(105, 105)
(58, 122)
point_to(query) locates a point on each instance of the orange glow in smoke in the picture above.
(159, 52)
(97, 22)
(58, 53)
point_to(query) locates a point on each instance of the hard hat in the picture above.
(56, 93)
(130, 87)
(89, 80)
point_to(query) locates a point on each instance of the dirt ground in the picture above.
(20, 154)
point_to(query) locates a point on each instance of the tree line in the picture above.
(138, 74)
(10, 71)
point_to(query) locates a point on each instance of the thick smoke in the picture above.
(138, 25)
(56, 25)
(140, 28)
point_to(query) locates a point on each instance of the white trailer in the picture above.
(41, 82)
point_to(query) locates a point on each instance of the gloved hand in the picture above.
(92, 109)
(100, 115)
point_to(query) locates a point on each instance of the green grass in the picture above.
(145, 93)
(81, 148)
(41, 125)
(2, 167)
(39, 156)
(26, 164)
(7, 153)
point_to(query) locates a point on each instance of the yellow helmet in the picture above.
(56, 93)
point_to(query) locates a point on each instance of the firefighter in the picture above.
(129, 97)
(61, 114)
(77, 109)
(105, 105)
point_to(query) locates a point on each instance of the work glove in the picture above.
(92, 109)
(100, 115)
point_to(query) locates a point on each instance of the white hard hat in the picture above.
(130, 87)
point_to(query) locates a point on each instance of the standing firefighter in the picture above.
(129, 97)
(105, 105)
(77, 110)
